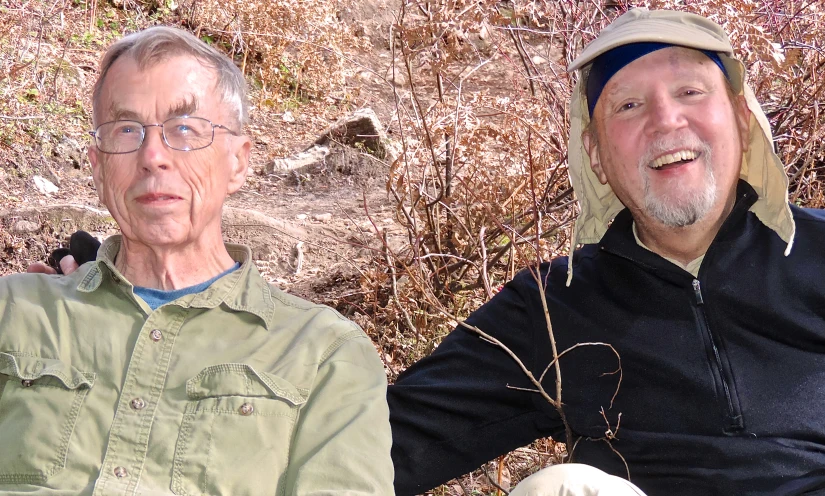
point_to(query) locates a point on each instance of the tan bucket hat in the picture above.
(661, 26)
(761, 167)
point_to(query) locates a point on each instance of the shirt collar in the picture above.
(243, 290)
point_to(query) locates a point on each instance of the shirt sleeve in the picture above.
(453, 410)
(342, 441)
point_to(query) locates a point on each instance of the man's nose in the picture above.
(153, 153)
(666, 114)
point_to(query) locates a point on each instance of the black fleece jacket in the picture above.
(722, 376)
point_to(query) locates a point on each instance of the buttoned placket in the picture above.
(143, 385)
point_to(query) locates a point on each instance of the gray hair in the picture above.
(159, 43)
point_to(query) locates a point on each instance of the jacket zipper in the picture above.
(733, 420)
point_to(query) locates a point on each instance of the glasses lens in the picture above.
(188, 133)
(119, 136)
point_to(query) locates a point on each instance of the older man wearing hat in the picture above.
(692, 265)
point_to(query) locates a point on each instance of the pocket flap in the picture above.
(32, 368)
(237, 379)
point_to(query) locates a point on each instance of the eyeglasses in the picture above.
(179, 133)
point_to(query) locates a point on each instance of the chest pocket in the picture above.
(236, 432)
(40, 400)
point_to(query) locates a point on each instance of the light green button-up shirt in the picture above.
(238, 390)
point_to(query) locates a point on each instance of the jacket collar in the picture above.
(619, 239)
(243, 290)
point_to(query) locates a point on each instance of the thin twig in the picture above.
(499, 474)
(579, 345)
(23, 118)
(396, 299)
(492, 482)
(485, 279)
(299, 256)
(515, 357)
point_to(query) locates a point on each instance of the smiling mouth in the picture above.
(674, 159)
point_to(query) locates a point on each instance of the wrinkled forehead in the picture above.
(167, 87)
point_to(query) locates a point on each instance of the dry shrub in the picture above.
(298, 47)
(481, 187)
(41, 68)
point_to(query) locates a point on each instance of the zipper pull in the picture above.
(697, 291)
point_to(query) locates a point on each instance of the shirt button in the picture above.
(138, 404)
(120, 472)
(246, 409)
(26, 383)
(156, 335)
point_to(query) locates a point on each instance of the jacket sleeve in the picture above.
(453, 410)
(341, 445)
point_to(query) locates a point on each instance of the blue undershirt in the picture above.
(157, 297)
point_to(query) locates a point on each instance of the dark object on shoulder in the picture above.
(82, 246)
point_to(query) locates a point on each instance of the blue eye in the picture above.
(127, 129)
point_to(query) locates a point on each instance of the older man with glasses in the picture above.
(168, 365)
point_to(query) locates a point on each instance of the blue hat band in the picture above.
(609, 63)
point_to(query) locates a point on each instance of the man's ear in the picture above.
(239, 163)
(743, 120)
(97, 171)
(591, 146)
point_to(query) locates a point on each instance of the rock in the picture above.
(325, 217)
(44, 186)
(538, 60)
(288, 117)
(312, 155)
(301, 216)
(62, 220)
(360, 130)
(70, 152)
(25, 226)
(264, 235)
(484, 33)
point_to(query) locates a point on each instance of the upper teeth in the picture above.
(674, 157)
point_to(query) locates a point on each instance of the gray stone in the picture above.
(360, 130)
(44, 186)
(25, 226)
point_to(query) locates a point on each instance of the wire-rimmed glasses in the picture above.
(179, 133)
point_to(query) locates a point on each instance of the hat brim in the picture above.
(652, 30)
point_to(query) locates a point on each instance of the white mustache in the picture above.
(665, 145)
